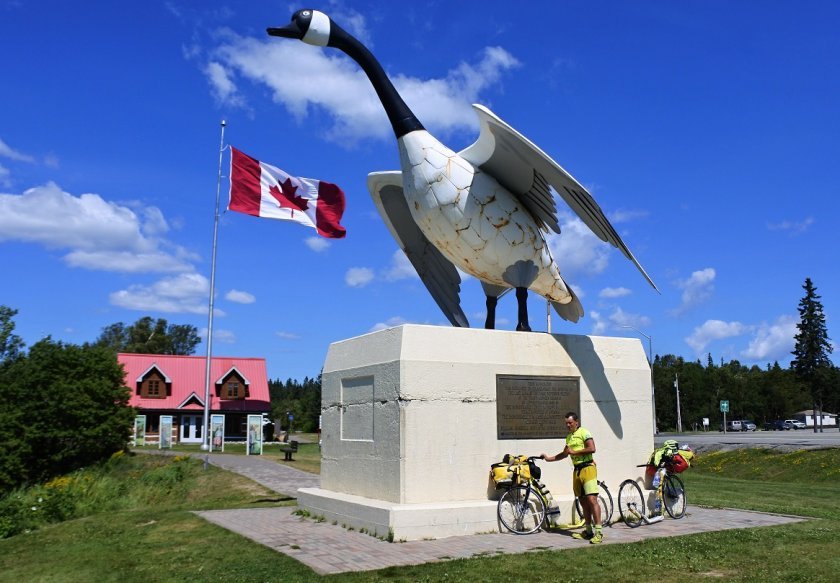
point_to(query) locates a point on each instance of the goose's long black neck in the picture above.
(401, 117)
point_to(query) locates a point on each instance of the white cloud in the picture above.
(627, 216)
(4, 177)
(127, 261)
(317, 244)
(576, 249)
(287, 335)
(620, 318)
(98, 234)
(240, 297)
(224, 89)
(7, 152)
(219, 335)
(223, 336)
(696, 289)
(599, 324)
(793, 227)
(773, 341)
(389, 323)
(358, 276)
(614, 292)
(400, 268)
(301, 76)
(712, 330)
(185, 293)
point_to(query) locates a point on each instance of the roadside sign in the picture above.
(724, 406)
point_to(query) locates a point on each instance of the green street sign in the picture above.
(724, 406)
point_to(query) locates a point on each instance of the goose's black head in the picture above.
(307, 25)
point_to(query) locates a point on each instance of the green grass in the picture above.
(803, 483)
(307, 458)
(160, 540)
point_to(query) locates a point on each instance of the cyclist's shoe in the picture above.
(596, 538)
(585, 535)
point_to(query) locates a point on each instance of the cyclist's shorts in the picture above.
(585, 481)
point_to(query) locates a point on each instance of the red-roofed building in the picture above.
(174, 385)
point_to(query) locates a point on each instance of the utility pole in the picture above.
(679, 415)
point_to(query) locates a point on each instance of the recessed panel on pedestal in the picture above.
(357, 409)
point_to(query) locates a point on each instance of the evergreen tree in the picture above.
(811, 363)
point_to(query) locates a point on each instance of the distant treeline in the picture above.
(755, 393)
(301, 400)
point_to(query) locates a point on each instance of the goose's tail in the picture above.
(571, 311)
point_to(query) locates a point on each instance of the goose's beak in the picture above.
(291, 30)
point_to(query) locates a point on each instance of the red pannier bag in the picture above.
(677, 464)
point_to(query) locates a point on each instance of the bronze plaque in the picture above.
(533, 407)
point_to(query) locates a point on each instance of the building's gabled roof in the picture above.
(187, 377)
(192, 401)
(222, 378)
(150, 369)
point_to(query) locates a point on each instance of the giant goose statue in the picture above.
(484, 210)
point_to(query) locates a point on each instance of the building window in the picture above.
(153, 388)
(232, 389)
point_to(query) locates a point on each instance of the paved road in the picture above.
(783, 440)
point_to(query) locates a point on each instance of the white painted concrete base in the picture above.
(401, 521)
(409, 424)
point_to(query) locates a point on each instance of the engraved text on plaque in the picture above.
(532, 407)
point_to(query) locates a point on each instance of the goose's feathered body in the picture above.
(474, 221)
(485, 209)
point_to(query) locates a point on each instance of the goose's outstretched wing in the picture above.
(436, 272)
(525, 170)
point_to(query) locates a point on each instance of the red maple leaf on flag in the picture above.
(287, 197)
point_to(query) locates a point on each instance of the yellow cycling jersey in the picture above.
(577, 441)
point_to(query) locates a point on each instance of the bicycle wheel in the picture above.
(521, 510)
(631, 503)
(605, 501)
(607, 506)
(673, 496)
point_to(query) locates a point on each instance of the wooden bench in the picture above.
(288, 449)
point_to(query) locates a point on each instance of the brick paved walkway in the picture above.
(327, 548)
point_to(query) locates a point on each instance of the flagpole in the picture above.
(206, 444)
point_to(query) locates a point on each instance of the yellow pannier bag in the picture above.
(501, 475)
(502, 472)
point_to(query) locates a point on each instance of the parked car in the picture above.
(797, 424)
(747, 425)
(733, 425)
(778, 425)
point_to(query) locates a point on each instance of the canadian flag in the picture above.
(261, 190)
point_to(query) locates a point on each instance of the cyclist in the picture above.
(580, 446)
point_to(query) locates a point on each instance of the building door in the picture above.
(191, 428)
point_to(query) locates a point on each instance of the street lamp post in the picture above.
(650, 363)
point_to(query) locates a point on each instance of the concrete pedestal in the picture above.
(409, 424)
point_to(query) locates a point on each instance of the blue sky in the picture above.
(707, 131)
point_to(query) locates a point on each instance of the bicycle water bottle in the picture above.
(657, 477)
(552, 510)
